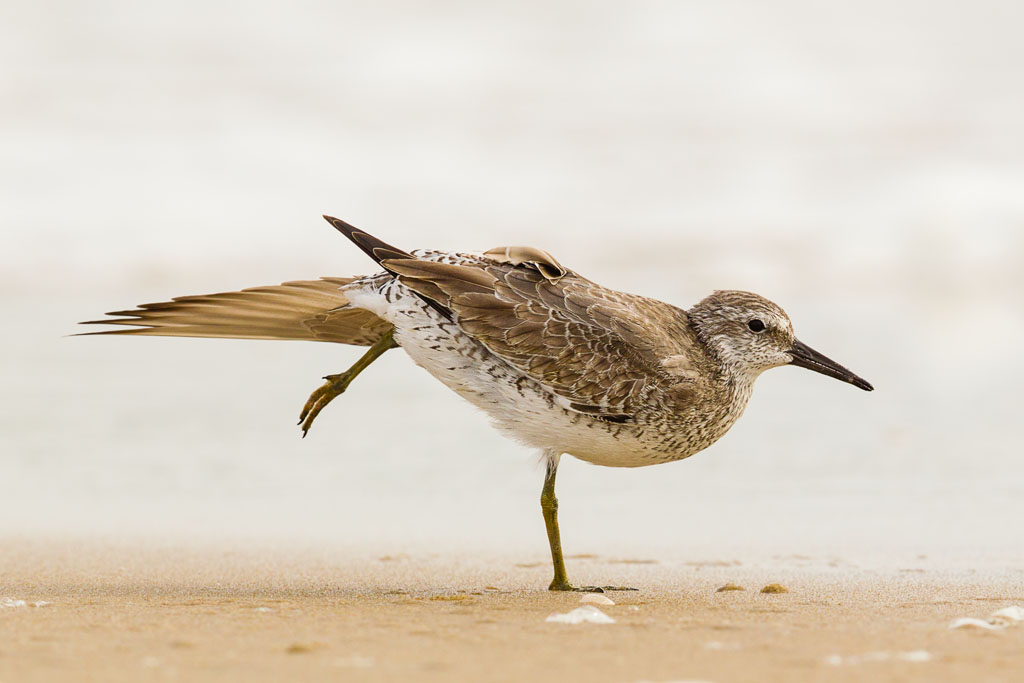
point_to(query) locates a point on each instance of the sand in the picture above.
(132, 611)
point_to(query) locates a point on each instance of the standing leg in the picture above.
(336, 384)
(549, 506)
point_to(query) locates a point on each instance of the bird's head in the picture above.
(750, 334)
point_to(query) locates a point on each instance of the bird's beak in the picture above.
(806, 357)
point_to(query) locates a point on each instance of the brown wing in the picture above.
(599, 351)
(311, 310)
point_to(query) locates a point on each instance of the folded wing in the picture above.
(597, 350)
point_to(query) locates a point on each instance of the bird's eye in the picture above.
(756, 325)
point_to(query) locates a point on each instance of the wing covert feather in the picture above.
(598, 351)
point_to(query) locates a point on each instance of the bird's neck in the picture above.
(737, 386)
(742, 386)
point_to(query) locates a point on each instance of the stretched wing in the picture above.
(598, 351)
(310, 310)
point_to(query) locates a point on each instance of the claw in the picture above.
(318, 400)
(336, 384)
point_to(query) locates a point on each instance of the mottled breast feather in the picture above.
(592, 347)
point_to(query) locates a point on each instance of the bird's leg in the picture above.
(336, 384)
(549, 506)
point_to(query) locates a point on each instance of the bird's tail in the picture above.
(310, 310)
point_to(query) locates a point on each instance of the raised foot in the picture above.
(332, 388)
(587, 589)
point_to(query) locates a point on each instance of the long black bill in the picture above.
(806, 357)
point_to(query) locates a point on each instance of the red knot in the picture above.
(558, 362)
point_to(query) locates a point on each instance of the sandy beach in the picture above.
(129, 612)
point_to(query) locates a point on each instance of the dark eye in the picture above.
(756, 325)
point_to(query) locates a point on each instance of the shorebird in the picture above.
(558, 362)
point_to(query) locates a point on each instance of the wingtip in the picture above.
(101, 332)
(370, 245)
(105, 321)
(339, 225)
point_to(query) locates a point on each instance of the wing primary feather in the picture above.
(380, 251)
(313, 310)
(617, 418)
(376, 249)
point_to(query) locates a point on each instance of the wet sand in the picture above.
(136, 611)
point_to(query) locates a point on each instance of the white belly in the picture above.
(518, 406)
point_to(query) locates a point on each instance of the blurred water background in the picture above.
(861, 164)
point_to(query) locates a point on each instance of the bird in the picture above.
(559, 363)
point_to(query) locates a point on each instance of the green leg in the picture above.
(549, 506)
(336, 384)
